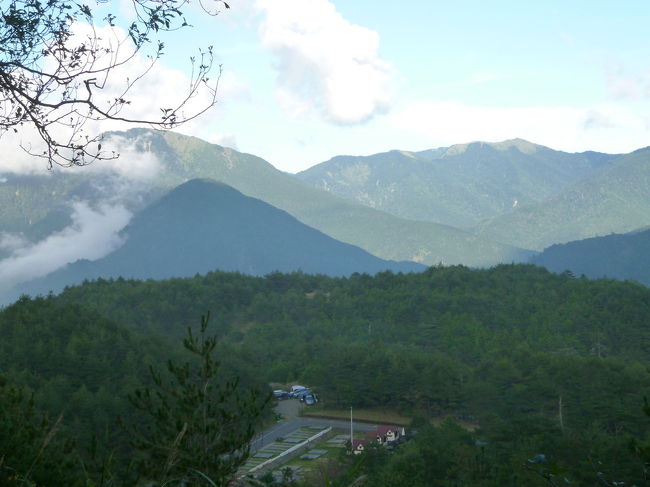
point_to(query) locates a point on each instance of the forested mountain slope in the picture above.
(437, 309)
(66, 374)
(614, 200)
(459, 185)
(623, 257)
(202, 226)
(75, 359)
(44, 204)
(542, 363)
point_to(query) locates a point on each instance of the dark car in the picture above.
(310, 399)
(298, 394)
(301, 394)
(281, 395)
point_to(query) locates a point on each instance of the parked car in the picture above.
(280, 395)
(302, 393)
(310, 399)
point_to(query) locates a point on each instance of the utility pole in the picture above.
(351, 432)
(598, 346)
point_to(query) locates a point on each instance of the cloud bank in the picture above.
(606, 127)
(326, 65)
(117, 187)
(93, 234)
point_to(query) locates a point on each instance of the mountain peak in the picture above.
(521, 145)
(197, 184)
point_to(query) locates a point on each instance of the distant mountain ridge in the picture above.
(460, 185)
(182, 158)
(613, 199)
(204, 225)
(533, 196)
(615, 256)
(515, 192)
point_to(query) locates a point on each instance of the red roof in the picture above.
(382, 430)
(356, 442)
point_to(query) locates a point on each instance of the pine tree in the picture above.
(198, 426)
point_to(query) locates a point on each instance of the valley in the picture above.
(319, 243)
(436, 316)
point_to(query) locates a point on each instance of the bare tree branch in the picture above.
(53, 77)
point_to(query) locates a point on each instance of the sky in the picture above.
(306, 80)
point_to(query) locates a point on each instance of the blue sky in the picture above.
(305, 80)
(571, 75)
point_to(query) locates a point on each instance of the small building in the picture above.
(358, 445)
(387, 435)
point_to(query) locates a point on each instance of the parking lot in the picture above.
(289, 408)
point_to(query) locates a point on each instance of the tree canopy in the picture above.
(539, 365)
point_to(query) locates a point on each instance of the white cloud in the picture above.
(136, 162)
(157, 87)
(11, 242)
(326, 64)
(225, 140)
(14, 159)
(607, 128)
(623, 86)
(93, 234)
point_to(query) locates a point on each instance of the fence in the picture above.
(291, 450)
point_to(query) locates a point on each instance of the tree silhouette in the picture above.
(57, 64)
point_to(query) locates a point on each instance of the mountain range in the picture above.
(204, 225)
(613, 199)
(44, 202)
(514, 192)
(461, 185)
(476, 204)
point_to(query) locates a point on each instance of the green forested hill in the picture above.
(66, 374)
(541, 362)
(509, 348)
(453, 322)
(77, 362)
(80, 363)
(459, 185)
(614, 200)
(436, 309)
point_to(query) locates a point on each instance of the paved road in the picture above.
(286, 427)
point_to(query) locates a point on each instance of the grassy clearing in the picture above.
(378, 416)
(382, 416)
